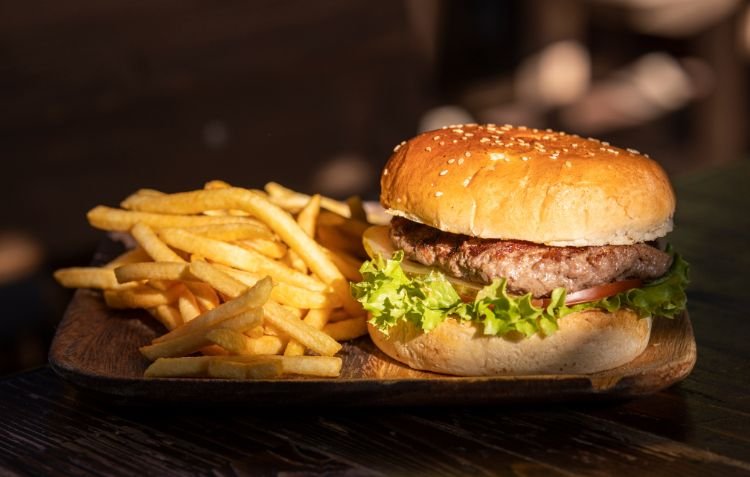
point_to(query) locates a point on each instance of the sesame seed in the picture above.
(466, 181)
(460, 161)
(455, 141)
(605, 143)
(436, 138)
(398, 146)
(442, 143)
(443, 172)
(458, 131)
(467, 154)
(522, 128)
(464, 138)
(484, 139)
(468, 134)
(568, 164)
(524, 158)
(385, 172)
(574, 145)
(494, 156)
(438, 194)
(428, 149)
(451, 161)
(633, 151)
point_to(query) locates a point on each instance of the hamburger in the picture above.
(518, 251)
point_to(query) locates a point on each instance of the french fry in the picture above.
(252, 298)
(193, 341)
(315, 318)
(185, 367)
(269, 248)
(152, 244)
(309, 337)
(107, 218)
(308, 216)
(188, 305)
(232, 341)
(291, 233)
(205, 295)
(347, 264)
(152, 271)
(217, 279)
(325, 366)
(238, 257)
(168, 315)
(86, 277)
(143, 296)
(345, 330)
(265, 345)
(287, 294)
(258, 369)
(135, 255)
(280, 222)
(332, 238)
(230, 232)
(294, 201)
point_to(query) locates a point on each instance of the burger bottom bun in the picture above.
(586, 342)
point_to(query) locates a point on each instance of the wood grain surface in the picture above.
(699, 427)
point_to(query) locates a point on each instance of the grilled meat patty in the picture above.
(528, 267)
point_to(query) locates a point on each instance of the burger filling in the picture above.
(420, 274)
(528, 267)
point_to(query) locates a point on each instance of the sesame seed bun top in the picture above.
(525, 184)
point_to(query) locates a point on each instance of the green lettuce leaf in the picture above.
(390, 295)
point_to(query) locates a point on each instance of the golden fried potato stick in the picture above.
(238, 257)
(167, 315)
(258, 369)
(295, 201)
(152, 244)
(311, 338)
(286, 294)
(219, 280)
(86, 277)
(107, 218)
(315, 318)
(230, 232)
(277, 219)
(143, 296)
(204, 294)
(152, 271)
(136, 255)
(346, 330)
(188, 305)
(253, 298)
(269, 248)
(193, 341)
(325, 366)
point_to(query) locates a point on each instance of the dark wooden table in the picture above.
(699, 427)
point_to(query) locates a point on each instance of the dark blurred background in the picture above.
(98, 99)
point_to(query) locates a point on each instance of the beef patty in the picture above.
(528, 267)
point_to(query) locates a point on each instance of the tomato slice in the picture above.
(594, 293)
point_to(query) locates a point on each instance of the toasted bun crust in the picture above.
(525, 184)
(587, 342)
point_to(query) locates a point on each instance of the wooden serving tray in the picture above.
(96, 348)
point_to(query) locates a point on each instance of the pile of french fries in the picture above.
(249, 284)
